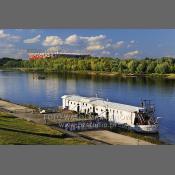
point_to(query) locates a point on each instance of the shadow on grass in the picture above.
(10, 116)
(36, 134)
(7, 116)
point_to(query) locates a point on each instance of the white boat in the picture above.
(141, 119)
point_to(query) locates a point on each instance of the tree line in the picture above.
(134, 66)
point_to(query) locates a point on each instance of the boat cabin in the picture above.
(114, 112)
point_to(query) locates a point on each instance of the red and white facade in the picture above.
(43, 55)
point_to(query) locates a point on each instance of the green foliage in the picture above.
(151, 67)
(141, 68)
(162, 68)
(62, 64)
(10, 62)
(132, 66)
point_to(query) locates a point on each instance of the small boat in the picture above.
(41, 77)
(47, 110)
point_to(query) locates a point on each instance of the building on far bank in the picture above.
(42, 55)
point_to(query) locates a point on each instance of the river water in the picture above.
(23, 88)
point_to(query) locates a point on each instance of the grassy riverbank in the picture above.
(15, 131)
(99, 73)
(170, 76)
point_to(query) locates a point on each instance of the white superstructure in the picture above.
(139, 118)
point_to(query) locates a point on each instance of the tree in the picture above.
(12, 63)
(132, 65)
(151, 67)
(141, 68)
(162, 68)
(147, 65)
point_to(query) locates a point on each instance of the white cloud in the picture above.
(53, 49)
(6, 45)
(72, 39)
(14, 38)
(131, 54)
(94, 39)
(13, 52)
(7, 36)
(108, 45)
(94, 43)
(19, 30)
(106, 53)
(88, 43)
(118, 44)
(21, 53)
(3, 34)
(52, 41)
(132, 41)
(94, 47)
(99, 45)
(32, 40)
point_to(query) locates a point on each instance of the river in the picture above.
(23, 88)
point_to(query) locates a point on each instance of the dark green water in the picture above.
(22, 88)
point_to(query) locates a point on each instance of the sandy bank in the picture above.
(113, 138)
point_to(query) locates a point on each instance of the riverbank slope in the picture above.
(22, 124)
(16, 131)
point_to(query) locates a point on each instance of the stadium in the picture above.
(43, 55)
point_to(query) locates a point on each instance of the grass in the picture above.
(170, 76)
(15, 131)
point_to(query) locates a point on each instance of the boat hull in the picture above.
(152, 129)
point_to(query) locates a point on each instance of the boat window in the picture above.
(96, 109)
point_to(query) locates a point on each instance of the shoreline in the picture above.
(170, 76)
(27, 114)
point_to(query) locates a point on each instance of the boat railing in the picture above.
(148, 106)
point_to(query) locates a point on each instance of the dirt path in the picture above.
(11, 107)
(113, 138)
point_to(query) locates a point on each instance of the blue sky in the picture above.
(122, 43)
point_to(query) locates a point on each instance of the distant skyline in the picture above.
(122, 43)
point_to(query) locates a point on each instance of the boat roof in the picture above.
(103, 103)
(80, 98)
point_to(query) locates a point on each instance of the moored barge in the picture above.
(140, 119)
